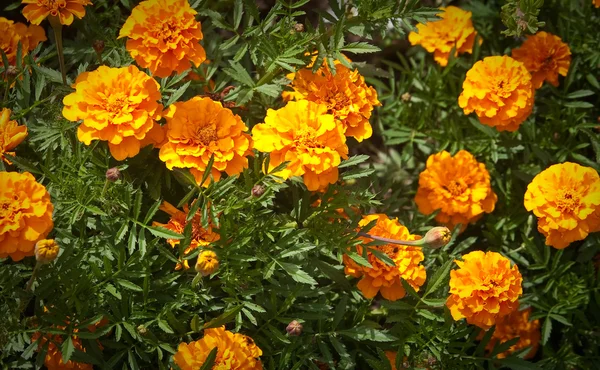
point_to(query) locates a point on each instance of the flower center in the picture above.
(205, 134)
(115, 103)
(456, 188)
(502, 87)
(9, 208)
(567, 200)
(168, 30)
(306, 138)
(336, 102)
(52, 4)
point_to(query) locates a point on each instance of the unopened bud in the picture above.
(98, 45)
(207, 263)
(142, 329)
(46, 251)
(406, 97)
(11, 72)
(113, 174)
(437, 237)
(294, 328)
(299, 27)
(258, 190)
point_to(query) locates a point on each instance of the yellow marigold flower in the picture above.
(345, 94)
(545, 56)
(37, 10)
(499, 90)
(459, 187)
(11, 134)
(455, 29)
(516, 324)
(118, 105)
(235, 351)
(484, 288)
(566, 200)
(383, 277)
(207, 263)
(46, 250)
(12, 33)
(25, 214)
(200, 128)
(201, 237)
(164, 36)
(304, 134)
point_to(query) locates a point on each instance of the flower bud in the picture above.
(299, 27)
(437, 237)
(113, 174)
(294, 328)
(258, 190)
(46, 251)
(98, 46)
(142, 329)
(207, 263)
(11, 72)
(406, 97)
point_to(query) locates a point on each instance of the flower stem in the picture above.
(393, 241)
(57, 27)
(32, 279)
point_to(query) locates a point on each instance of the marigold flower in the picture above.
(499, 90)
(455, 29)
(200, 237)
(596, 3)
(207, 263)
(458, 186)
(305, 135)
(566, 200)
(12, 33)
(37, 10)
(25, 214)
(118, 105)
(235, 351)
(164, 36)
(200, 128)
(516, 324)
(484, 288)
(53, 359)
(46, 250)
(545, 56)
(294, 328)
(383, 277)
(11, 134)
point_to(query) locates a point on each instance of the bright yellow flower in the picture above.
(304, 134)
(164, 36)
(545, 56)
(459, 187)
(516, 324)
(25, 214)
(207, 263)
(201, 237)
(235, 351)
(499, 90)
(455, 29)
(118, 105)
(46, 250)
(37, 10)
(11, 134)
(484, 288)
(12, 33)
(200, 128)
(566, 200)
(382, 277)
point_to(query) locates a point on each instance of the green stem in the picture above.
(104, 188)
(393, 241)
(57, 27)
(32, 279)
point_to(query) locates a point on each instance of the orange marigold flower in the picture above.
(53, 359)
(545, 56)
(207, 263)
(596, 3)
(200, 128)
(514, 325)
(235, 351)
(37, 10)
(566, 200)
(455, 29)
(11, 134)
(201, 237)
(305, 135)
(164, 36)
(484, 288)
(459, 187)
(25, 214)
(46, 250)
(383, 277)
(118, 105)
(12, 33)
(499, 90)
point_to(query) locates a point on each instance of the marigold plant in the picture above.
(11, 34)
(11, 134)
(516, 324)
(65, 10)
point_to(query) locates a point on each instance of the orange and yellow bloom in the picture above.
(455, 29)
(304, 134)
(25, 214)
(199, 129)
(545, 56)
(65, 10)
(381, 277)
(484, 288)
(118, 105)
(516, 324)
(12, 33)
(207, 263)
(458, 186)
(164, 36)
(54, 358)
(566, 200)
(11, 134)
(46, 251)
(235, 351)
(499, 90)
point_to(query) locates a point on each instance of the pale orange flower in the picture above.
(164, 36)
(11, 134)
(65, 10)
(566, 200)
(545, 56)
(516, 324)
(12, 33)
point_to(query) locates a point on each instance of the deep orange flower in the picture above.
(118, 105)
(304, 134)
(545, 56)
(484, 288)
(459, 187)
(499, 91)
(596, 3)
(11, 134)
(164, 36)
(25, 214)
(12, 33)
(235, 351)
(455, 29)
(200, 237)
(200, 128)
(566, 200)
(516, 324)
(37, 10)
(383, 277)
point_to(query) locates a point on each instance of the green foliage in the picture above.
(520, 16)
